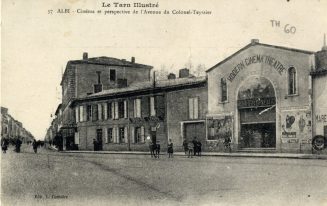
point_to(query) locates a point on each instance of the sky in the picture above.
(35, 45)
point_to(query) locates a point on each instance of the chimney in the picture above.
(85, 56)
(254, 41)
(324, 47)
(184, 73)
(121, 83)
(171, 76)
(133, 59)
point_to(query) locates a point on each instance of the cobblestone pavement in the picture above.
(52, 178)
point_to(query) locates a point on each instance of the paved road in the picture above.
(51, 178)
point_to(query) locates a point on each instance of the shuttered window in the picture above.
(116, 116)
(125, 109)
(193, 108)
(76, 138)
(137, 107)
(99, 111)
(81, 114)
(76, 114)
(105, 112)
(223, 88)
(152, 106)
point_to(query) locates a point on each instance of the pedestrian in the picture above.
(227, 142)
(199, 148)
(190, 146)
(152, 146)
(18, 143)
(195, 144)
(4, 145)
(34, 145)
(95, 145)
(170, 149)
(158, 148)
(185, 146)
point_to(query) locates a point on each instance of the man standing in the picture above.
(195, 144)
(34, 144)
(95, 145)
(18, 144)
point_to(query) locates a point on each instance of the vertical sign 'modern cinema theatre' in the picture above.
(260, 98)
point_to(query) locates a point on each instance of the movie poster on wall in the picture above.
(220, 128)
(296, 126)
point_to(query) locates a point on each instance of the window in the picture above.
(110, 135)
(121, 135)
(95, 112)
(137, 107)
(292, 81)
(193, 108)
(139, 135)
(88, 112)
(110, 110)
(223, 87)
(152, 107)
(112, 75)
(121, 110)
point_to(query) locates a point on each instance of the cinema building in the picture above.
(261, 97)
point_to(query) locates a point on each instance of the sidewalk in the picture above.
(236, 154)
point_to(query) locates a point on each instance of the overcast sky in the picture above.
(36, 46)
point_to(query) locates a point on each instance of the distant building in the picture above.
(13, 129)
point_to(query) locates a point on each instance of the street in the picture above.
(52, 178)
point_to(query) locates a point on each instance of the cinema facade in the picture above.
(261, 97)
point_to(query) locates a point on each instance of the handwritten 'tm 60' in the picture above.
(289, 29)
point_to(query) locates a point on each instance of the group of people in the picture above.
(155, 149)
(192, 148)
(17, 143)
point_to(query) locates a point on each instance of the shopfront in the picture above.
(257, 114)
(259, 97)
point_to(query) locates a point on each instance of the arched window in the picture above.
(292, 80)
(223, 87)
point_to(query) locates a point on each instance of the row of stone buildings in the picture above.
(263, 97)
(13, 129)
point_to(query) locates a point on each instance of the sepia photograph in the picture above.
(161, 102)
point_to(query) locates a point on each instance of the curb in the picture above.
(247, 155)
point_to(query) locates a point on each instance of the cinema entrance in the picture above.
(257, 114)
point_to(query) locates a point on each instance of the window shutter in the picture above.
(125, 109)
(138, 105)
(76, 114)
(81, 115)
(134, 107)
(190, 106)
(196, 108)
(152, 108)
(106, 135)
(112, 110)
(117, 135)
(142, 134)
(85, 112)
(114, 135)
(99, 111)
(76, 138)
(132, 129)
(125, 134)
(105, 111)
